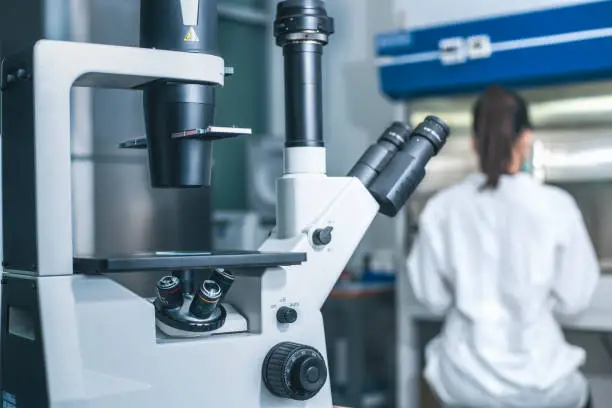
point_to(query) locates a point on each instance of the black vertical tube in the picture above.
(302, 28)
(303, 94)
(187, 26)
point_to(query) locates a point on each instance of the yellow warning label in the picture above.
(192, 36)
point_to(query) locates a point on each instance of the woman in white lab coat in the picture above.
(501, 255)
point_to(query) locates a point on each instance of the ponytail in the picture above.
(500, 117)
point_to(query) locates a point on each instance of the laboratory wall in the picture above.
(356, 111)
(244, 100)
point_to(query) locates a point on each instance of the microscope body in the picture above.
(73, 337)
(99, 347)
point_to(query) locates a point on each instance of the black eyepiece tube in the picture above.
(171, 108)
(380, 154)
(302, 29)
(404, 173)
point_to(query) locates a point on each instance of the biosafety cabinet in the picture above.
(557, 54)
(559, 58)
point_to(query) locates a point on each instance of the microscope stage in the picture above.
(175, 260)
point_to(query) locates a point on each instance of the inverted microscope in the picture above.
(225, 329)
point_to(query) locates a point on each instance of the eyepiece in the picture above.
(169, 292)
(380, 154)
(206, 300)
(397, 134)
(405, 171)
(435, 130)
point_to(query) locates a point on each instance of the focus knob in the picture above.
(294, 371)
(322, 236)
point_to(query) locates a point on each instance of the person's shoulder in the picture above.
(442, 197)
(553, 200)
(440, 202)
(468, 185)
(557, 196)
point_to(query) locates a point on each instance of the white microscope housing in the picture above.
(73, 337)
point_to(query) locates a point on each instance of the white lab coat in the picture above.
(501, 264)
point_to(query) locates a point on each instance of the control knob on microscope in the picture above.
(294, 371)
(322, 236)
(286, 315)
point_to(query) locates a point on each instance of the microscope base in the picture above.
(101, 349)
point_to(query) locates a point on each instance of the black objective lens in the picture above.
(380, 154)
(170, 292)
(225, 280)
(404, 173)
(206, 300)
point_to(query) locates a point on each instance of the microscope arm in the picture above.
(326, 217)
(311, 205)
(344, 205)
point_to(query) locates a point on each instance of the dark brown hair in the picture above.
(500, 117)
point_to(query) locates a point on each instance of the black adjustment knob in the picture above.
(322, 236)
(23, 74)
(286, 315)
(294, 371)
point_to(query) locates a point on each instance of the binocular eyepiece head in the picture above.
(394, 166)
